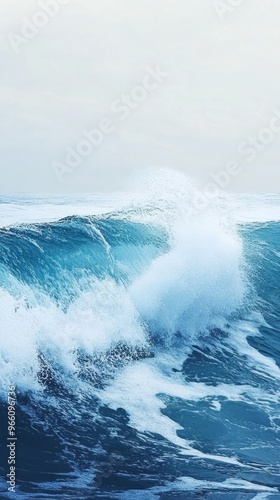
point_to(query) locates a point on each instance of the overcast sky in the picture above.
(74, 70)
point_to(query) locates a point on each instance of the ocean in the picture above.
(141, 335)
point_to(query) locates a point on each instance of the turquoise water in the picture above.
(144, 347)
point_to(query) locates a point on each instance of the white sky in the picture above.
(223, 86)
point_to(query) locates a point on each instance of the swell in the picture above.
(85, 289)
(60, 258)
(262, 251)
(83, 295)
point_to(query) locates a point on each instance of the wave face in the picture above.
(144, 346)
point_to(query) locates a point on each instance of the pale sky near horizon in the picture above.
(222, 91)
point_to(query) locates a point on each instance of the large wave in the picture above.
(81, 286)
(154, 326)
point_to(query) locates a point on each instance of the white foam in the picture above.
(93, 323)
(228, 484)
(140, 390)
(197, 284)
(258, 362)
(191, 484)
(216, 405)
